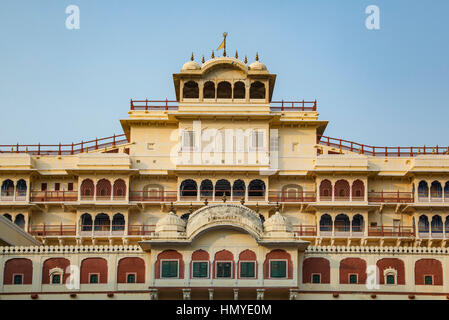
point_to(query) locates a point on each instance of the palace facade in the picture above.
(223, 194)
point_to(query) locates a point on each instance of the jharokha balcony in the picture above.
(391, 197)
(391, 231)
(291, 196)
(54, 196)
(57, 230)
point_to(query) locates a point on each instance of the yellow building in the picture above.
(223, 193)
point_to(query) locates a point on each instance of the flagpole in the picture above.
(224, 48)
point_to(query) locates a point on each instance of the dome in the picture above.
(258, 66)
(190, 65)
(170, 225)
(277, 223)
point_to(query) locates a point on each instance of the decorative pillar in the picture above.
(293, 294)
(211, 294)
(186, 294)
(260, 294)
(153, 294)
(236, 294)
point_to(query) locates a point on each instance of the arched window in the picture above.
(428, 272)
(104, 189)
(209, 90)
(341, 190)
(7, 188)
(437, 225)
(256, 190)
(239, 90)
(436, 191)
(257, 90)
(325, 223)
(353, 271)
(118, 223)
(190, 90)
(131, 266)
(119, 189)
(224, 90)
(316, 270)
(222, 187)
(87, 189)
(238, 189)
(102, 223)
(8, 216)
(20, 220)
(86, 222)
(325, 190)
(188, 189)
(423, 224)
(21, 189)
(357, 223)
(54, 271)
(342, 223)
(94, 270)
(358, 190)
(423, 190)
(206, 189)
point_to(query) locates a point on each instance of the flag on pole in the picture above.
(222, 45)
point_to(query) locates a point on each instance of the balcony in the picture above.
(11, 196)
(54, 196)
(287, 196)
(44, 230)
(434, 233)
(141, 229)
(153, 196)
(391, 197)
(65, 149)
(391, 231)
(102, 230)
(303, 230)
(341, 231)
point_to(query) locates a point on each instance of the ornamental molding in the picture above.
(376, 250)
(69, 249)
(224, 215)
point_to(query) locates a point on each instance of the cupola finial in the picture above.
(203, 60)
(236, 54)
(257, 56)
(245, 60)
(191, 57)
(213, 55)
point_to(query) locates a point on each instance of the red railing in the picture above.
(153, 196)
(65, 149)
(52, 230)
(293, 105)
(173, 105)
(380, 151)
(289, 196)
(301, 230)
(141, 229)
(391, 231)
(391, 197)
(53, 196)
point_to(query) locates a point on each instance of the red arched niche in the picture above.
(131, 265)
(428, 267)
(275, 255)
(393, 263)
(94, 265)
(169, 254)
(51, 263)
(18, 266)
(352, 266)
(312, 266)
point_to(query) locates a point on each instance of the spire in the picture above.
(257, 207)
(203, 60)
(191, 57)
(236, 54)
(190, 208)
(257, 56)
(224, 197)
(206, 202)
(245, 60)
(213, 55)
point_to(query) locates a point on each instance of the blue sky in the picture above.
(383, 87)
